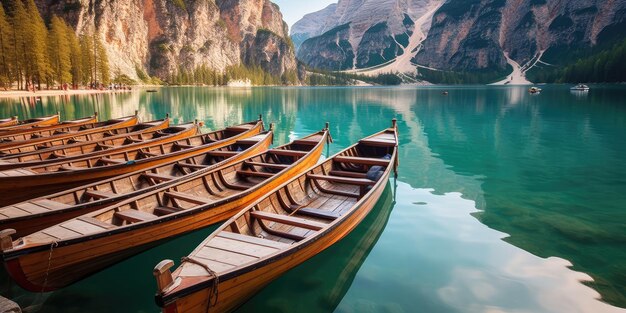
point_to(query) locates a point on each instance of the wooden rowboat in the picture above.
(118, 127)
(44, 130)
(8, 121)
(89, 243)
(33, 122)
(141, 135)
(34, 215)
(282, 229)
(30, 182)
(47, 138)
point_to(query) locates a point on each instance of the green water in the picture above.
(504, 202)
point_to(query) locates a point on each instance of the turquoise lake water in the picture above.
(504, 202)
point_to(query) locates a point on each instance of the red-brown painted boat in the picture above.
(8, 136)
(30, 216)
(30, 182)
(89, 243)
(277, 232)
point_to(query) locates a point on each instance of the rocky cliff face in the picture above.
(164, 36)
(376, 30)
(470, 35)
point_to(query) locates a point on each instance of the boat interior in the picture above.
(130, 183)
(199, 191)
(299, 209)
(119, 158)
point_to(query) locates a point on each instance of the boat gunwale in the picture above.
(169, 137)
(164, 299)
(35, 129)
(25, 123)
(12, 254)
(105, 201)
(108, 167)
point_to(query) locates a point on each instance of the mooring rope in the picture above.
(216, 281)
(45, 280)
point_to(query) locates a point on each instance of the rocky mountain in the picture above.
(484, 35)
(161, 37)
(471, 36)
(358, 33)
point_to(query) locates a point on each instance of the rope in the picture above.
(213, 292)
(45, 281)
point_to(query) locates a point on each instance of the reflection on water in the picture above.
(545, 172)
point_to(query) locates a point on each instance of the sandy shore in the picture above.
(46, 93)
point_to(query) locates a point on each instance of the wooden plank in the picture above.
(317, 213)
(343, 180)
(294, 153)
(95, 221)
(187, 197)
(13, 211)
(190, 269)
(52, 205)
(255, 174)
(288, 220)
(31, 207)
(253, 240)
(134, 216)
(111, 161)
(158, 177)
(361, 160)
(225, 154)
(192, 166)
(97, 194)
(246, 248)
(224, 256)
(81, 227)
(268, 165)
(378, 142)
(60, 232)
(348, 174)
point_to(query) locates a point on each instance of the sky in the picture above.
(294, 10)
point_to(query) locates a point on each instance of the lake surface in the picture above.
(504, 202)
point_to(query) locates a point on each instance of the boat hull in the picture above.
(24, 187)
(72, 260)
(30, 224)
(235, 288)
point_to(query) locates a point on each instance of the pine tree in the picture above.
(38, 67)
(102, 61)
(59, 51)
(76, 62)
(5, 48)
(87, 58)
(20, 25)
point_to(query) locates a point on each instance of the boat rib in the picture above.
(93, 241)
(31, 182)
(33, 140)
(143, 134)
(282, 229)
(34, 215)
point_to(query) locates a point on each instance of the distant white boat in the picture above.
(580, 87)
(240, 83)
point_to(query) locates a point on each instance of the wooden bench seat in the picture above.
(287, 220)
(95, 221)
(255, 174)
(378, 142)
(148, 154)
(308, 142)
(192, 166)
(268, 165)
(97, 194)
(361, 160)
(253, 240)
(112, 161)
(343, 180)
(134, 216)
(158, 177)
(104, 147)
(226, 154)
(294, 153)
(166, 210)
(348, 174)
(317, 213)
(187, 198)
(133, 140)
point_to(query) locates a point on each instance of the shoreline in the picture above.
(48, 93)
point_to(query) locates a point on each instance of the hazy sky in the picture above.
(293, 10)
